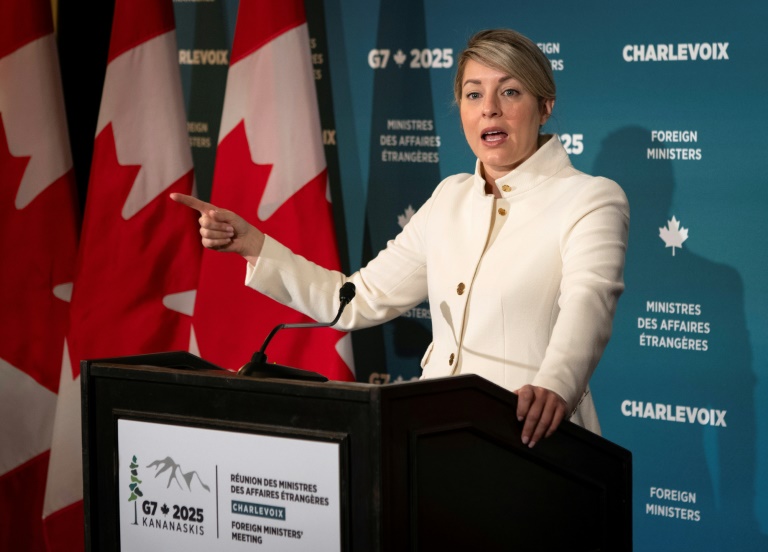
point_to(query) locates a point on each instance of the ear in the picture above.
(545, 108)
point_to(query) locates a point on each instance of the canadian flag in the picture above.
(270, 169)
(38, 241)
(139, 253)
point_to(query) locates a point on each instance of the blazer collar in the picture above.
(548, 160)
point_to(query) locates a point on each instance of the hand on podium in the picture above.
(542, 410)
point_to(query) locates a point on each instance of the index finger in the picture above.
(525, 398)
(193, 202)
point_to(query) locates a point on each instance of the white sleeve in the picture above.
(390, 284)
(593, 248)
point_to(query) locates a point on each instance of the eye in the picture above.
(510, 92)
(473, 95)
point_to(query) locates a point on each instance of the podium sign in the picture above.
(202, 459)
(197, 489)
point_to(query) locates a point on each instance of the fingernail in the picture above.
(525, 439)
(519, 418)
(532, 443)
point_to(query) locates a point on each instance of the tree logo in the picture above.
(673, 235)
(134, 487)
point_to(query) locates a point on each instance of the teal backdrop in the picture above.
(665, 98)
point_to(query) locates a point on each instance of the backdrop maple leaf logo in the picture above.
(403, 219)
(673, 235)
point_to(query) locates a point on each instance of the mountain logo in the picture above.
(673, 235)
(188, 481)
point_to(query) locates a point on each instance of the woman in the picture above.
(522, 261)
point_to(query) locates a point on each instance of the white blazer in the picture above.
(522, 289)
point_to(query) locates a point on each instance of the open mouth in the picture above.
(493, 136)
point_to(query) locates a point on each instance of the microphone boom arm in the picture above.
(259, 358)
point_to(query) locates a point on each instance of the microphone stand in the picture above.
(258, 367)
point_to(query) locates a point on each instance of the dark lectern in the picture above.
(427, 465)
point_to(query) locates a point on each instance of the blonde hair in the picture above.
(513, 54)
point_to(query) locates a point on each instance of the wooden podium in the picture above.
(427, 465)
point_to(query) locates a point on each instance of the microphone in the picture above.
(258, 366)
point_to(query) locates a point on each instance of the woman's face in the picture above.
(501, 119)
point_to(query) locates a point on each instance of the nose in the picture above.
(491, 106)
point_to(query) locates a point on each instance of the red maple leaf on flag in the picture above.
(270, 168)
(127, 267)
(138, 259)
(222, 343)
(30, 310)
(36, 262)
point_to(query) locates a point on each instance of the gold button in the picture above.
(460, 288)
(506, 188)
(502, 211)
(450, 360)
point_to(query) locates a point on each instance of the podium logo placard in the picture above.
(188, 488)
